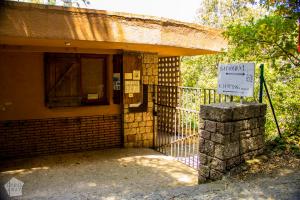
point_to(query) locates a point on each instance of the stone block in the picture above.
(231, 150)
(142, 130)
(260, 141)
(248, 156)
(150, 136)
(219, 151)
(149, 129)
(147, 143)
(219, 138)
(203, 159)
(149, 71)
(225, 128)
(245, 134)
(138, 117)
(204, 171)
(131, 138)
(218, 164)
(155, 71)
(141, 124)
(129, 118)
(242, 111)
(260, 151)
(139, 144)
(144, 69)
(255, 132)
(156, 80)
(145, 136)
(262, 130)
(201, 145)
(149, 123)
(235, 136)
(241, 125)
(129, 145)
(263, 109)
(127, 131)
(201, 125)
(131, 131)
(232, 162)
(215, 175)
(150, 104)
(210, 126)
(145, 80)
(133, 124)
(205, 134)
(261, 121)
(249, 144)
(139, 137)
(201, 179)
(147, 116)
(209, 148)
(253, 123)
(216, 112)
(151, 80)
(256, 110)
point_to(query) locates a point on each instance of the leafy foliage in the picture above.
(272, 37)
(265, 33)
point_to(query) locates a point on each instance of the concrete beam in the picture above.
(41, 25)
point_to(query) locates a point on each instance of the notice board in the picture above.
(132, 69)
(236, 79)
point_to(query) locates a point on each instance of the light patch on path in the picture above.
(108, 174)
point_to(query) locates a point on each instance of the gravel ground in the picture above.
(146, 174)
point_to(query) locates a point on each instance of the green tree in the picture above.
(264, 32)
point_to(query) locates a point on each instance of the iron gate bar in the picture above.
(177, 110)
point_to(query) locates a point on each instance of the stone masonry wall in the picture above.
(138, 126)
(230, 133)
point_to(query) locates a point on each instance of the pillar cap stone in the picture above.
(231, 111)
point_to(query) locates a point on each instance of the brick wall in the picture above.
(138, 126)
(230, 134)
(20, 138)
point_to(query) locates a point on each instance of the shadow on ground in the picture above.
(110, 174)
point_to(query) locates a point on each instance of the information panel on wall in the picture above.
(236, 79)
(132, 69)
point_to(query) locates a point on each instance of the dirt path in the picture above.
(146, 174)
(285, 186)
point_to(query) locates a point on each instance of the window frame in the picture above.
(77, 58)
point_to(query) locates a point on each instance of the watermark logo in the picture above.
(14, 187)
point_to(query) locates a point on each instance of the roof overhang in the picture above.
(35, 25)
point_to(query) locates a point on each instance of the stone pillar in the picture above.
(230, 133)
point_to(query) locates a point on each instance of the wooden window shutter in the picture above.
(62, 79)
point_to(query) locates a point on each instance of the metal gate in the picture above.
(176, 111)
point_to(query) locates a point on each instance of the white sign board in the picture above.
(236, 79)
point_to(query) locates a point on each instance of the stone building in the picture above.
(79, 79)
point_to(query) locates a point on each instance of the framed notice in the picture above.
(236, 79)
(128, 76)
(132, 87)
(136, 75)
(132, 69)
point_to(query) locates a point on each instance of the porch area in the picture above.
(107, 174)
